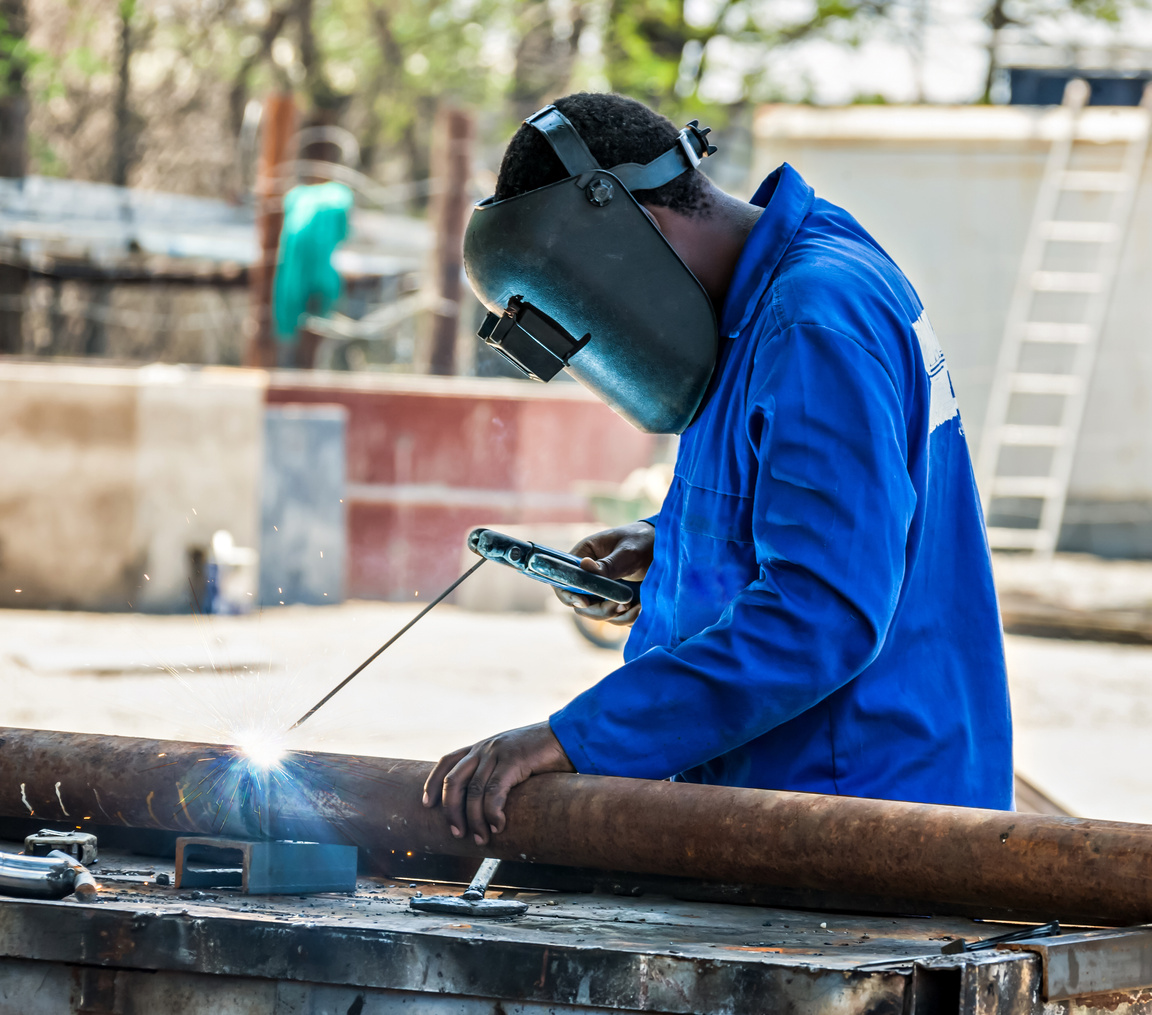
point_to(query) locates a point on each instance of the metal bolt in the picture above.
(515, 553)
(600, 191)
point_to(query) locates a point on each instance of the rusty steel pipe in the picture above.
(1073, 869)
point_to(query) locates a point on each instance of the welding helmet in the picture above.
(578, 277)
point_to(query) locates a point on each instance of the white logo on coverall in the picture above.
(941, 398)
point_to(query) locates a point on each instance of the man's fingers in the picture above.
(474, 783)
(474, 798)
(621, 561)
(502, 780)
(597, 545)
(627, 617)
(571, 599)
(455, 787)
(613, 613)
(434, 784)
(603, 610)
(623, 552)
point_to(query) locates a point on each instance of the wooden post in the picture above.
(277, 129)
(452, 169)
(13, 163)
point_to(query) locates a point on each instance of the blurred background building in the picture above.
(239, 372)
(281, 189)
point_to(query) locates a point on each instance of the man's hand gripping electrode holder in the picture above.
(553, 567)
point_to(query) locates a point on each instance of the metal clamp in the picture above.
(79, 845)
(693, 139)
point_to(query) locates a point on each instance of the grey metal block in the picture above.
(278, 867)
(303, 529)
(1094, 962)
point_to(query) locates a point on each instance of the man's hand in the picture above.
(624, 552)
(473, 782)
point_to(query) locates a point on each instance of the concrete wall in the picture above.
(430, 458)
(949, 193)
(111, 474)
(113, 477)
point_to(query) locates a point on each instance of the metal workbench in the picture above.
(150, 948)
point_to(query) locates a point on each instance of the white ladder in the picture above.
(1046, 449)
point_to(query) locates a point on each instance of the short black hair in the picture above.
(616, 129)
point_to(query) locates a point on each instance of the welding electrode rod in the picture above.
(439, 599)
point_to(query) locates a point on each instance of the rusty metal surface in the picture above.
(1122, 1003)
(1075, 965)
(40, 988)
(990, 986)
(592, 952)
(1077, 870)
(151, 947)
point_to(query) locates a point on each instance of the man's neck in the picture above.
(710, 242)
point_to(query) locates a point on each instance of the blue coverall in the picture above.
(820, 613)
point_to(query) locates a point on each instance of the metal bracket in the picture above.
(80, 845)
(278, 867)
(1096, 962)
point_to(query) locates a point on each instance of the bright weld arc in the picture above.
(263, 749)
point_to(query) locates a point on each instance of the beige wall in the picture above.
(949, 193)
(108, 474)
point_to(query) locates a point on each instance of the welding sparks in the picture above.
(263, 749)
(258, 769)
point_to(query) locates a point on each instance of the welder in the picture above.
(817, 610)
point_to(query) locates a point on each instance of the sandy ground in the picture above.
(452, 679)
(1082, 710)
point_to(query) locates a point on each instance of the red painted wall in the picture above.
(430, 458)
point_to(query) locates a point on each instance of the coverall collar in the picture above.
(786, 200)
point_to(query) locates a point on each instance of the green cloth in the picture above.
(315, 221)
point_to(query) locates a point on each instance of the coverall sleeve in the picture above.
(832, 505)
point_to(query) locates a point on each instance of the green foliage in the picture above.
(656, 53)
(396, 59)
(44, 157)
(380, 68)
(645, 47)
(14, 54)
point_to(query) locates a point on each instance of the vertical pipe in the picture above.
(452, 169)
(277, 129)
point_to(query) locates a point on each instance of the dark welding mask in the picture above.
(578, 277)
